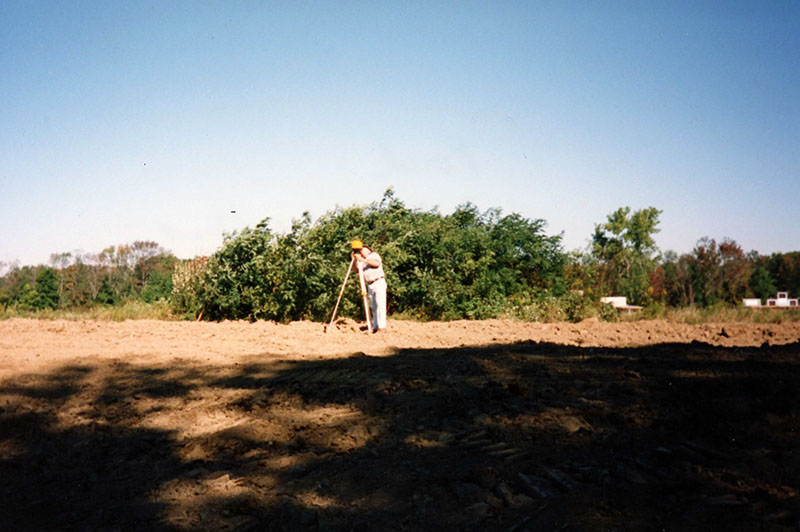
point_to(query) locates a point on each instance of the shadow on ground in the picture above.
(504, 437)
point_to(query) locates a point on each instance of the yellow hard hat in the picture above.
(356, 244)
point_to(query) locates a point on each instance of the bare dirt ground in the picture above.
(490, 425)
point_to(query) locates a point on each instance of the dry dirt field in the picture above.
(488, 425)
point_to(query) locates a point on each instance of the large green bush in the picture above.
(463, 265)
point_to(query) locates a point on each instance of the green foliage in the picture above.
(17, 284)
(785, 270)
(607, 312)
(735, 272)
(712, 274)
(705, 273)
(573, 306)
(40, 294)
(157, 286)
(105, 296)
(240, 278)
(654, 310)
(676, 280)
(463, 265)
(46, 289)
(28, 298)
(469, 264)
(5, 297)
(624, 248)
(715, 274)
(138, 272)
(762, 283)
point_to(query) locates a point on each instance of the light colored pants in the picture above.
(377, 302)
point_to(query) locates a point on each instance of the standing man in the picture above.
(372, 265)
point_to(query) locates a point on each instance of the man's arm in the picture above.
(373, 260)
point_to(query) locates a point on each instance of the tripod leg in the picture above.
(346, 275)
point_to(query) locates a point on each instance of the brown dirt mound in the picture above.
(491, 425)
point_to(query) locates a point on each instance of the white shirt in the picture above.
(372, 273)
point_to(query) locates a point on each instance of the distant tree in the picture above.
(735, 271)
(78, 288)
(145, 257)
(158, 286)
(20, 286)
(626, 250)
(5, 297)
(719, 272)
(761, 282)
(122, 262)
(28, 298)
(60, 261)
(678, 287)
(582, 273)
(5, 294)
(657, 289)
(46, 289)
(785, 269)
(105, 296)
(39, 293)
(706, 273)
(139, 270)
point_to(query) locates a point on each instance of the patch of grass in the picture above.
(572, 307)
(130, 310)
(542, 310)
(718, 314)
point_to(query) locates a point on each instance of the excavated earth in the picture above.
(468, 425)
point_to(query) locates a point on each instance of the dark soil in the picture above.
(511, 437)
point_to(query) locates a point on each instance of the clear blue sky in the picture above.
(125, 120)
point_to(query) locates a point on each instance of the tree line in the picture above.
(468, 264)
(624, 260)
(139, 271)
